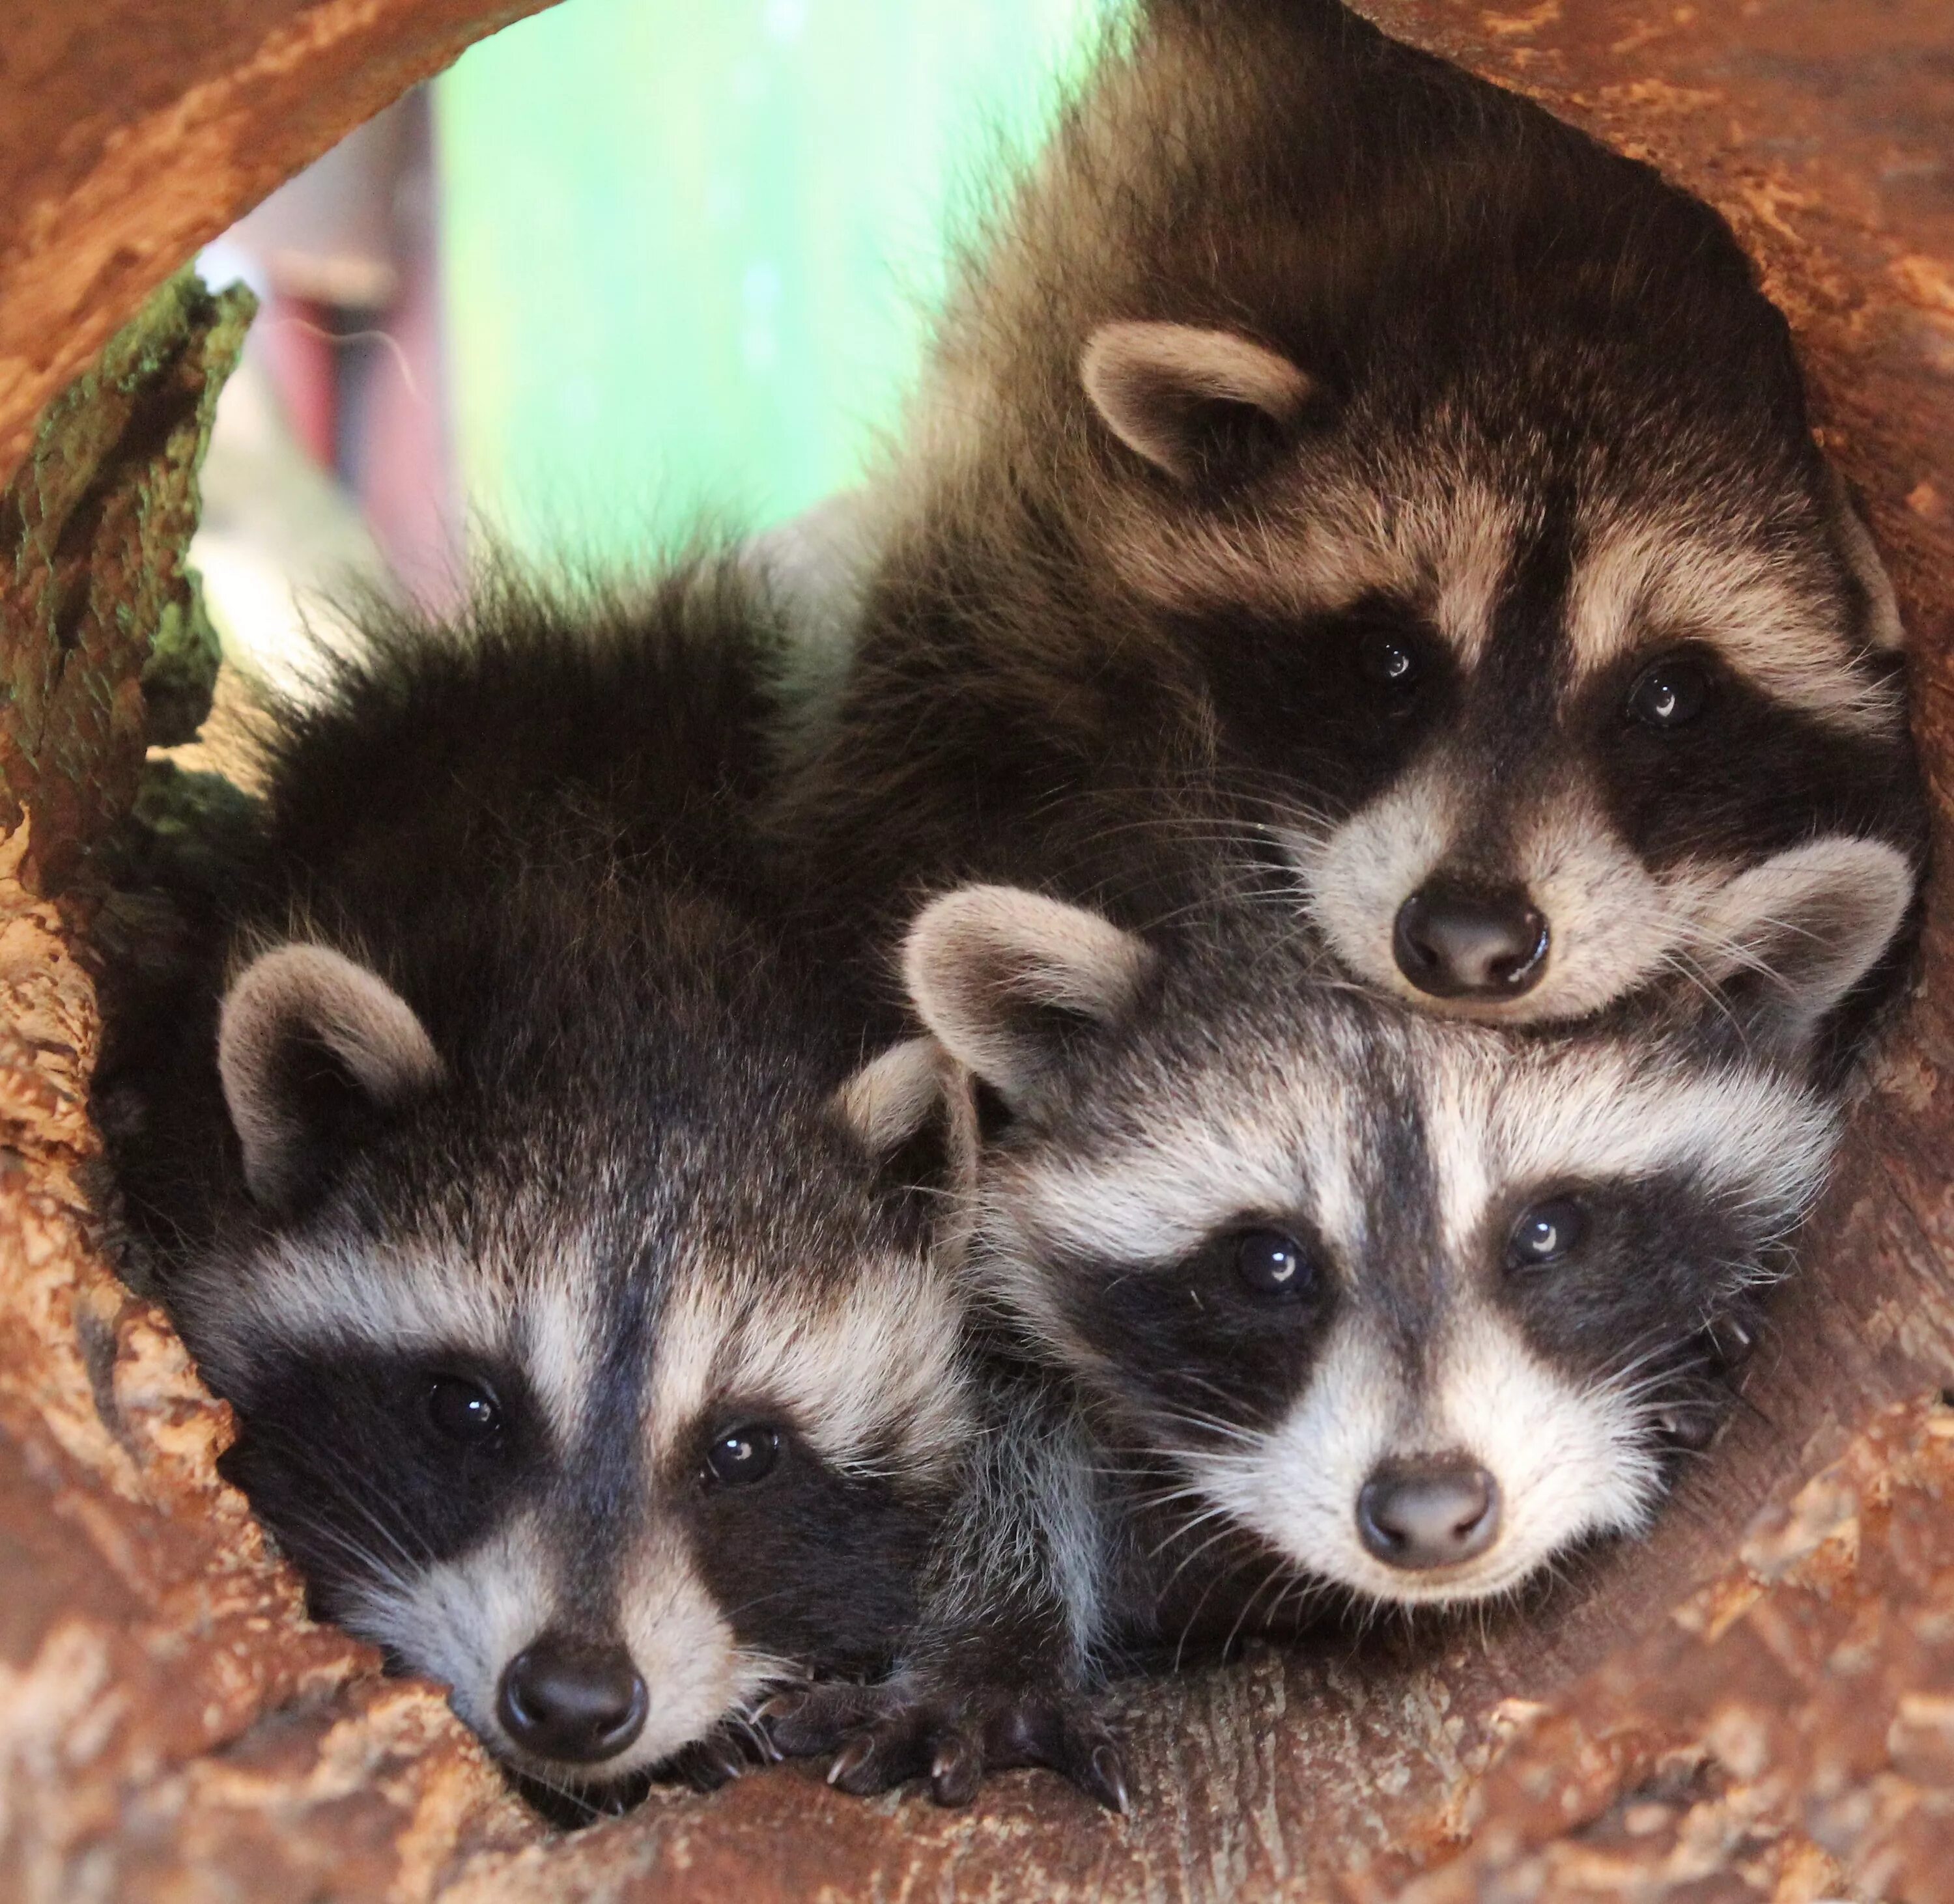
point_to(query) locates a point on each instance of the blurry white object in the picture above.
(280, 542)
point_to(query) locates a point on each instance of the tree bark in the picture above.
(1757, 1702)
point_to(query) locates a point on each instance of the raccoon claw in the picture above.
(716, 1760)
(1065, 1735)
(814, 1719)
(883, 1736)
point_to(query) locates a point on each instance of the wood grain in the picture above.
(1739, 1708)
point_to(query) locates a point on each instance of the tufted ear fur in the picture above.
(891, 1098)
(1008, 980)
(312, 1049)
(1189, 401)
(1880, 628)
(1793, 937)
(912, 1109)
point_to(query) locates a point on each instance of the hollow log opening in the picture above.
(1756, 1702)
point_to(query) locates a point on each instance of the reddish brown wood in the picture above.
(1714, 1714)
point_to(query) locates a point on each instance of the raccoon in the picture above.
(1310, 1293)
(1332, 463)
(587, 1355)
(1329, 1294)
(1383, 1302)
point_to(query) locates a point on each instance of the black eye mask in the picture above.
(366, 1463)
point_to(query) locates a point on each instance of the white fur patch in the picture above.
(1749, 1133)
(1353, 880)
(875, 1365)
(424, 1298)
(1443, 543)
(1647, 585)
(1568, 1463)
(1282, 1141)
(684, 1646)
(462, 1620)
(302, 1292)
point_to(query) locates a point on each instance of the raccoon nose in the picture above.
(1431, 1513)
(1456, 943)
(569, 1699)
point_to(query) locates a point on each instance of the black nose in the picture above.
(1456, 943)
(1435, 1512)
(571, 1699)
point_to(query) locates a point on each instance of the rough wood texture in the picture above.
(132, 131)
(1742, 1709)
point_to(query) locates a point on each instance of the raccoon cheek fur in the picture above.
(1606, 925)
(1509, 1465)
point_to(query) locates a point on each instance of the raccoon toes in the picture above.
(718, 1758)
(807, 1720)
(1063, 1732)
(885, 1736)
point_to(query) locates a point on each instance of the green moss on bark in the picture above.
(103, 644)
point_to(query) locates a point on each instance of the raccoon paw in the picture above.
(883, 1735)
(721, 1756)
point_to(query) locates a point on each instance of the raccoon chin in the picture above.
(572, 1807)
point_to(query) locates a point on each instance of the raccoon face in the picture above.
(1538, 708)
(609, 1439)
(1417, 1304)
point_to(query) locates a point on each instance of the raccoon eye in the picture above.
(1546, 1233)
(1389, 660)
(746, 1454)
(462, 1412)
(1271, 1264)
(1668, 694)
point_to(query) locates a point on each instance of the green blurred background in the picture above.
(686, 248)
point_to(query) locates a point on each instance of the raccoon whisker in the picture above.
(1194, 1418)
(1277, 1569)
(341, 1488)
(1182, 1532)
(1223, 1431)
(374, 1566)
(1676, 959)
(1194, 1615)
(760, 1599)
(1213, 1540)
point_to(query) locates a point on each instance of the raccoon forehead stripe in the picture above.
(1640, 583)
(1161, 1196)
(301, 1293)
(562, 1326)
(1445, 545)
(1596, 1114)
(874, 1366)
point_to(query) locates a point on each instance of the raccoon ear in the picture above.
(894, 1096)
(1879, 623)
(1007, 979)
(911, 1108)
(1187, 399)
(310, 1047)
(1791, 938)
